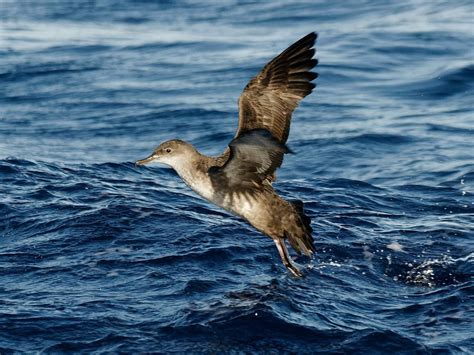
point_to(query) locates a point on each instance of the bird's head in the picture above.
(175, 153)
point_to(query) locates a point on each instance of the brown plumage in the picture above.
(240, 179)
(270, 98)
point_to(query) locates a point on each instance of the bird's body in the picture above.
(240, 180)
(259, 209)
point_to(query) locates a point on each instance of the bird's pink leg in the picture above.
(285, 257)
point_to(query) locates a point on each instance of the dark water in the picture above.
(97, 255)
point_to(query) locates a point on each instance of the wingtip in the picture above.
(307, 41)
(313, 36)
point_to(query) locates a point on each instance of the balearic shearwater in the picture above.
(240, 180)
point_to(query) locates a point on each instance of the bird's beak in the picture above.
(146, 160)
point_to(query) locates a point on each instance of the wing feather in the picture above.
(253, 158)
(270, 98)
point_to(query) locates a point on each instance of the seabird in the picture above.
(240, 179)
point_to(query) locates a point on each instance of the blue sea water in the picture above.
(97, 255)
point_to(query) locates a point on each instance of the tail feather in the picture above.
(299, 235)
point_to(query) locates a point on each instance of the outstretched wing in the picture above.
(270, 98)
(253, 157)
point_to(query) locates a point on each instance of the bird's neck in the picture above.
(186, 171)
(193, 171)
(193, 167)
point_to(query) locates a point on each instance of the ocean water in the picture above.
(97, 255)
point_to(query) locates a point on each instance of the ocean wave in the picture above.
(451, 82)
(98, 255)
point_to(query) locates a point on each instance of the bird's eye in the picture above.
(168, 150)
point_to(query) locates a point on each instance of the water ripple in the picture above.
(98, 255)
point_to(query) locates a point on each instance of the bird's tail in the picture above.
(299, 232)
